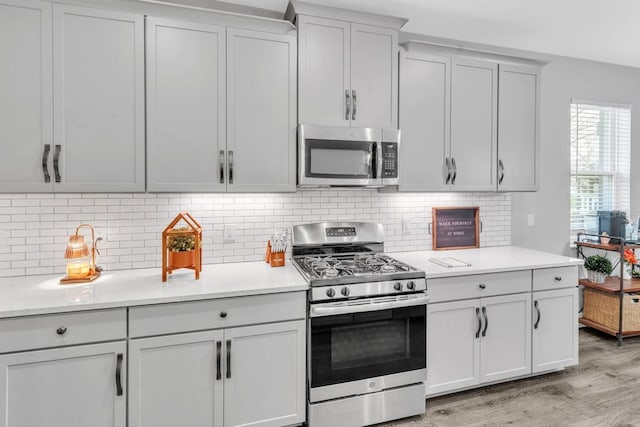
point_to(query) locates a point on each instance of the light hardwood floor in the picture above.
(603, 390)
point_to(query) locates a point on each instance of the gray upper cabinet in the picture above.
(98, 69)
(425, 85)
(261, 107)
(469, 123)
(220, 108)
(186, 108)
(474, 90)
(518, 128)
(348, 68)
(324, 87)
(26, 134)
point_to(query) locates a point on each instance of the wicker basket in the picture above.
(604, 308)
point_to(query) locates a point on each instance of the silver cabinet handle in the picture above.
(230, 166)
(56, 162)
(535, 305)
(448, 165)
(221, 166)
(455, 170)
(486, 321)
(45, 167)
(501, 166)
(347, 108)
(354, 103)
(479, 322)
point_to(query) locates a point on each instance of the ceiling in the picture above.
(600, 30)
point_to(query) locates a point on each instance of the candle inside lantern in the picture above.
(78, 268)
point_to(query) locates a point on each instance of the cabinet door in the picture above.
(26, 110)
(555, 329)
(424, 118)
(324, 71)
(261, 111)
(474, 97)
(453, 345)
(174, 380)
(185, 106)
(506, 337)
(98, 64)
(66, 387)
(518, 128)
(265, 375)
(374, 77)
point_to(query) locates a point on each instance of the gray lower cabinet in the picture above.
(252, 375)
(64, 370)
(225, 362)
(477, 341)
(555, 312)
(65, 387)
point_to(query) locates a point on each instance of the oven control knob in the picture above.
(411, 285)
(397, 286)
(331, 292)
(345, 291)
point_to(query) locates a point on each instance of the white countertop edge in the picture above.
(467, 271)
(149, 301)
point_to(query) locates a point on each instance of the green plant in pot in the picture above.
(181, 249)
(598, 268)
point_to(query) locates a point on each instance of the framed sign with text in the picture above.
(456, 228)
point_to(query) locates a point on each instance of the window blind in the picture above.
(600, 161)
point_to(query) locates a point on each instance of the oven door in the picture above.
(364, 346)
(339, 157)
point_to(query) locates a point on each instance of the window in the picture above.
(600, 161)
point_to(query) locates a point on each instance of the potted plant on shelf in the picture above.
(182, 249)
(598, 268)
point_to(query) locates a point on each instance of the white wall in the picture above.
(564, 79)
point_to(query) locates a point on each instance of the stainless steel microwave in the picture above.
(347, 157)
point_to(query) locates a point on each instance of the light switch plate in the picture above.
(531, 220)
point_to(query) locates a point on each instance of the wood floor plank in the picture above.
(603, 390)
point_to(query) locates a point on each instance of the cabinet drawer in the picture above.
(53, 330)
(555, 278)
(217, 313)
(478, 285)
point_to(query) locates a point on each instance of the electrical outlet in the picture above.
(406, 225)
(229, 234)
(531, 220)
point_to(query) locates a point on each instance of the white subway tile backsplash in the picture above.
(38, 225)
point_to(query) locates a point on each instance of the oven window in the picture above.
(356, 346)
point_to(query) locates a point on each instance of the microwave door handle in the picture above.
(373, 163)
(379, 160)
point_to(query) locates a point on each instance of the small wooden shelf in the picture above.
(612, 285)
(606, 329)
(609, 247)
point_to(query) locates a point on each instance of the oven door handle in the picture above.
(359, 308)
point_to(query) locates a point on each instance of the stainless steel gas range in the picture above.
(367, 326)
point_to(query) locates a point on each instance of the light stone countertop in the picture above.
(31, 295)
(485, 260)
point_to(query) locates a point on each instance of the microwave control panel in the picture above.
(389, 160)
